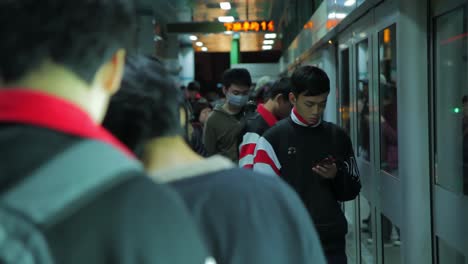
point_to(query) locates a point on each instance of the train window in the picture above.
(344, 91)
(388, 100)
(451, 106)
(363, 128)
(359, 2)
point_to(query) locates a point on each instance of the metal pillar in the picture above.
(413, 94)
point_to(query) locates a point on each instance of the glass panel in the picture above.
(390, 242)
(451, 101)
(344, 91)
(448, 255)
(388, 100)
(350, 214)
(359, 2)
(367, 245)
(362, 92)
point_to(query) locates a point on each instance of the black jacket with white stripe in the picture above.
(290, 149)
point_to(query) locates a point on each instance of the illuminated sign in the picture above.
(254, 26)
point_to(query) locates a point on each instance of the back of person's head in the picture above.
(281, 87)
(199, 107)
(310, 81)
(79, 35)
(236, 76)
(193, 86)
(146, 106)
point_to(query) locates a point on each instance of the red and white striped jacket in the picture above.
(255, 125)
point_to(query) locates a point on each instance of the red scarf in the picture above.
(44, 110)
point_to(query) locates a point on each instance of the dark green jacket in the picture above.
(222, 134)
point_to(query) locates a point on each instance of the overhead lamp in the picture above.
(341, 15)
(226, 19)
(267, 47)
(225, 5)
(204, 49)
(228, 32)
(199, 43)
(270, 35)
(268, 42)
(349, 2)
(193, 37)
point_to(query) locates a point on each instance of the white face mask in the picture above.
(237, 100)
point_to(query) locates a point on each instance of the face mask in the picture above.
(237, 100)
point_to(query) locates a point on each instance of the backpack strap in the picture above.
(69, 181)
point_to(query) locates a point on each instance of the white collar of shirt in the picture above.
(296, 120)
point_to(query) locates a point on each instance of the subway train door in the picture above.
(354, 98)
(450, 130)
(368, 110)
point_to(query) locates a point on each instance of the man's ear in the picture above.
(292, 98)
(111, 73)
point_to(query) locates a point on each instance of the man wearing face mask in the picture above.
(223, 127)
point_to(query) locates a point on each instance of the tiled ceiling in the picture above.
(209, 10)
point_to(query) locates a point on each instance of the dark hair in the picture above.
(310, 81)
(282, 86)
(236, 76)
(193, 86)
(80, 35)
(146, 106)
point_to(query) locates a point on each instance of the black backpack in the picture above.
(54, 191)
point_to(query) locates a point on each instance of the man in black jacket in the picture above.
(60, 63)
(315, 157)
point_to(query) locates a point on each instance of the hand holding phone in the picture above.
(326, 168)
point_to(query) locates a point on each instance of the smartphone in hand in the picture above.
(326, 161)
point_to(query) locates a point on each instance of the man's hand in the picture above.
(326, 171)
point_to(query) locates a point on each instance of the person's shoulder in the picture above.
(278, 129)
(335, 129)
(244, 182)
(137, 219)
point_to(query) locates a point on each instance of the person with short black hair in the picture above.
(277, 107)
(60, 63)
(244, 217)
(315, 157)
(202, 111)
(223, 128)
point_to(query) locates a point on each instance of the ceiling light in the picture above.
(226, 5)
(226, 19)
(270, 35)
(268, 42)
(193, 37)
(332, 15)
(199, 43)
(228, 32)
(349, 2)
(204, 49)
(341, 15)
(363, 34)
(267, 47)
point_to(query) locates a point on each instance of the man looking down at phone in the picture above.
(315, 157)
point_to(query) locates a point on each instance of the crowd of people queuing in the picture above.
(104, 160)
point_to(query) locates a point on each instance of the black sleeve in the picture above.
(346, 185)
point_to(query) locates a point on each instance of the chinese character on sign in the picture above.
(237, 26)
(254, 26)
